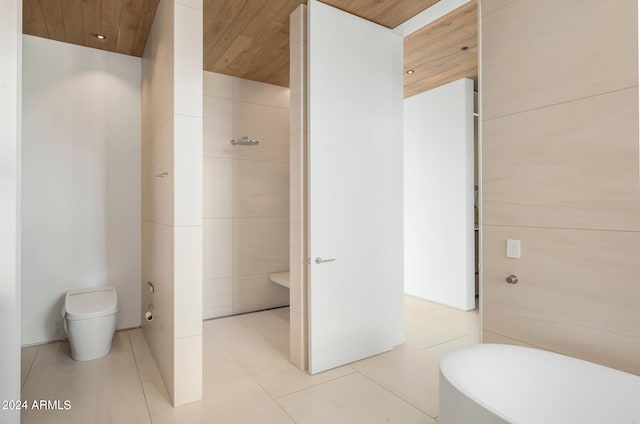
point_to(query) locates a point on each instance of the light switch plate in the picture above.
(513, 249)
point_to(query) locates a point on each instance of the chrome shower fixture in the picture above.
(245, 141)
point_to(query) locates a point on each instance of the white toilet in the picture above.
(90, 321)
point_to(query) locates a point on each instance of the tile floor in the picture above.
(248, 377)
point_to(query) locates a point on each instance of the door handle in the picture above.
(320, 260)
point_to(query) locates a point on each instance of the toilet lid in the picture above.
(90, 303)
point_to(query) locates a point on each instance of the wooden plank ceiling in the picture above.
(124, 23)
(389, 13)
(250, 38)
(436, 52)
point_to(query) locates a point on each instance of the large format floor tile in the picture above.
(218, 365)
(238, 400)
(422, 334)
(260, 344)
(147, 368)
(105, 390)
(352, 399)
(27, 356)
(414, 306)
(248, 377)
(257, 341)
(230, 395)
(409, 373)
(460, 321)
(442, 349)
(286, 378)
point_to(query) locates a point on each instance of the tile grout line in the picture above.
(234, 133)
(395, 394)
(275, 399)
(30, 369)
(439, 326)
(224, 348)
(564, 102)
(441, 343)
(444, 327)
(158, 131)
(184, 115)
(135, 359)
(353, 371)
(606, 230)
(423, 313)
(245, 101)
(243, 159)
(265, 391)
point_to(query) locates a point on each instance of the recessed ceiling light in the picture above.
(100, 36)
(410, 71)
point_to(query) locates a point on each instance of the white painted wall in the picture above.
(81, 181)
(438, 195)
(10, 51)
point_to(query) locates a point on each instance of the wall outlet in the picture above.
(513, 249)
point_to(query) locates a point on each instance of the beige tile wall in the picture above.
(157, 191)
(560, 173)
(556, 52)
(172, 228)
(298, 338)
(246, 195)
(570, 165)
(577, 292)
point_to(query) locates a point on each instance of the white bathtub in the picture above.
(492, 383)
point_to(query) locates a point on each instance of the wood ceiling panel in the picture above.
(434, 52)
(125, 23)
(71, 13)
(248, 38)
(53, 19)
(389, 13)
(33, 22)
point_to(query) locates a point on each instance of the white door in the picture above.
(355, 188)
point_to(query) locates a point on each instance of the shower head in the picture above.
(245, 141)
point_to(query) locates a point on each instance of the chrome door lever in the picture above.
(320, 260)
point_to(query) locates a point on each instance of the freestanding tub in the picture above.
(493, 383)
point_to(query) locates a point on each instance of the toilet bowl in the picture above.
(90, 321)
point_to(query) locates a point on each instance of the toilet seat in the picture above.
(90, 303)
